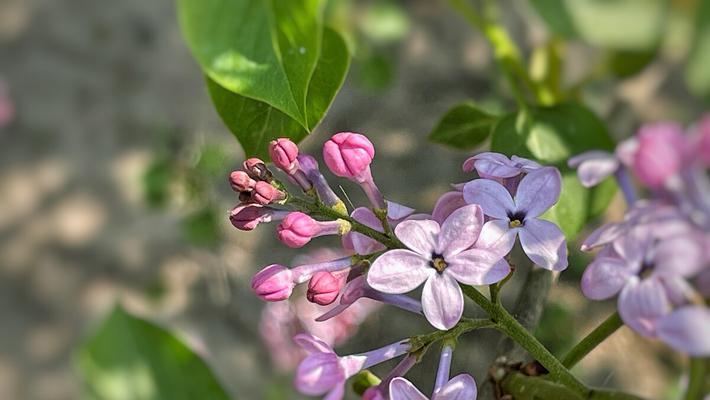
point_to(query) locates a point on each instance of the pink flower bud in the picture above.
(246, 217)
(283, 154)
(323, 288)
(273, 283)
(297, 229)
(264, 193)
(348, 154)
(660, 154)
(256, 169)
(241, 182)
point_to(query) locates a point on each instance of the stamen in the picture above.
(438, 264)
(515, 223)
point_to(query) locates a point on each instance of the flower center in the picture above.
(438, 263)
(517, 219)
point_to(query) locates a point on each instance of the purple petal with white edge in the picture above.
(605, 277)
(604, 234)
(442, 301)
(398, 211)
(594, 166)
(683, 255)
(477, 267)
(538, 191)
(460, 230)
(402, 389)
(687, 329)
(447, 203)
(418, 235)
(461, 387)
(642, 303)
(398, 271)
(544, 243)
(497, 237)
(524, 164)
(493, 198)
(312, 344)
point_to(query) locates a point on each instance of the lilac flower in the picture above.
(362, 244)
(439, 255)
(649, 275)
(687, 329)
(594, 166)
(324, 372)
(461, 387)
(541, 240)
(491, 165)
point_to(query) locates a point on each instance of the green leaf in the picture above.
(275, 58)
(617, 24)
(255, 123)
(696, 71)
(627, 63)
(551, 135)
(133, 359)
(202, 228)
(464, 127)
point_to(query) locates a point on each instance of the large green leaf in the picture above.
(465, 126)
(255, 123)
(133, 359)
(612, 24)
(275, 56)
(696, 72)
(551, 135)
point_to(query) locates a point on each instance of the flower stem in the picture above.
(511, 327)
(592, 340)
(696, 383)
(529, 387)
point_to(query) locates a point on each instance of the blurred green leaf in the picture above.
(133, 359)
(612, 24)
(551, 135)
(374, 72)
(156, 182)
(202, 228)
(624, 64)
(385, 21)
(696, 71)
(212, 160)
(464, 127)
(271, 56)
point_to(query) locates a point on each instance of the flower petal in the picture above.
(364, 244)
(418, 235)
(594, 166)
(460, 230)
(318, 373)
(442, 301)
(603, 235)
(337, 393)
(396, 211)
(493, 198)
(312, 344)
(491, 165)
(683, 255)
(477, 267)
(402, 389)
(605, 277)
(461, 387)
(641, 303)
(398, 271)
(447, 203)
(687, 329)
(544, 243)
(496, 236)
(538, 191)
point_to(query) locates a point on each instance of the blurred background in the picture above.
(113, 169)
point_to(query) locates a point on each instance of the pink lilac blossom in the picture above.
(297, 229)
(246, 217)
(324, 287)
(461, 387)
(439, 256)
(662, 152)
(542, 241)
(276, 282)
(323, 372)
(284, 153)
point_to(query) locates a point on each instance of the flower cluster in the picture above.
(656, 259)
(390, 250)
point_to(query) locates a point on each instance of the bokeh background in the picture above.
(113, 188)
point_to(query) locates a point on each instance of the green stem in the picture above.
(465, 325)
(592, 340)
(505, 51)
(698, 375)
(511, 327)
(538, 388)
